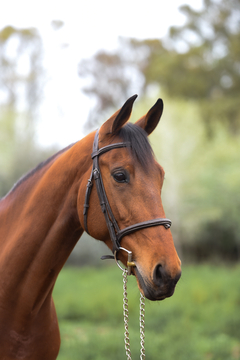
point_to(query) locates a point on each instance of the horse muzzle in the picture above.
(156, 287)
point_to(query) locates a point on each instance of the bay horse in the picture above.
(44, 215)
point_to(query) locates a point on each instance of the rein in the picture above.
(116, 235)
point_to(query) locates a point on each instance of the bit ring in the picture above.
(130, 263)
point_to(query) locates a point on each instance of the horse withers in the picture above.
(44, 215)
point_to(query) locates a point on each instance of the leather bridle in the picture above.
(115, 233)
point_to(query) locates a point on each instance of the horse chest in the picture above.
(38, 338)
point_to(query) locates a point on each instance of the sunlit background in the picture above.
(64, 33)
(65, 67)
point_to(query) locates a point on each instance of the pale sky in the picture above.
(89, 26)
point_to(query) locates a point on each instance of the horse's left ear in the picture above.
(149, 121)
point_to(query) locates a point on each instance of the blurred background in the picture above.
(65, 67)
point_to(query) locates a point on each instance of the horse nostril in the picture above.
(162, 277)
(158, 274)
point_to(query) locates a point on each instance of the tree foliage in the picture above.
(203, 61)
(110, 79)
(21, 69)
(199, 61)
(21, 80)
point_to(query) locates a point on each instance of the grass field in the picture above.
(200, 322)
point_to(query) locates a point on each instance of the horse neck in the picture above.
(39, 225)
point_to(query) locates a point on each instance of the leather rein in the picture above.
(115, 233)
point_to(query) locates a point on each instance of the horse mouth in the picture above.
(152, 292)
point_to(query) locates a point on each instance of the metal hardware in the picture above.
(130, 263)
(125, 318)
(142, 326)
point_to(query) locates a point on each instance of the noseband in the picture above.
(115, 233)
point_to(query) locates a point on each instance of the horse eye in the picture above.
(120, 177)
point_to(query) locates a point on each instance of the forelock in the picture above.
(141, 149)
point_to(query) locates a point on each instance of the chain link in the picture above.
(125, 316)
(141, 319)
(142, 326)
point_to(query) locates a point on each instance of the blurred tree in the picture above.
(21, 71)
(199, 61)
(21, 68)
(57, 24)
(110, 80)
(21, 85)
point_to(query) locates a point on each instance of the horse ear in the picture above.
(123, 115)
(117, 120)
(149, 121)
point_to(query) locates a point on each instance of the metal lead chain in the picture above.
(141, 319)
(125, 316)
(142, 326)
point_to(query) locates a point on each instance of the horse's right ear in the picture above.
(117, 120)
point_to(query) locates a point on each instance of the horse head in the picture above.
(132, 180)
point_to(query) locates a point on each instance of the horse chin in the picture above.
(150, 291)
(153, 295)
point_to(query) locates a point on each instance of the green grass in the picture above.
(200, 322)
